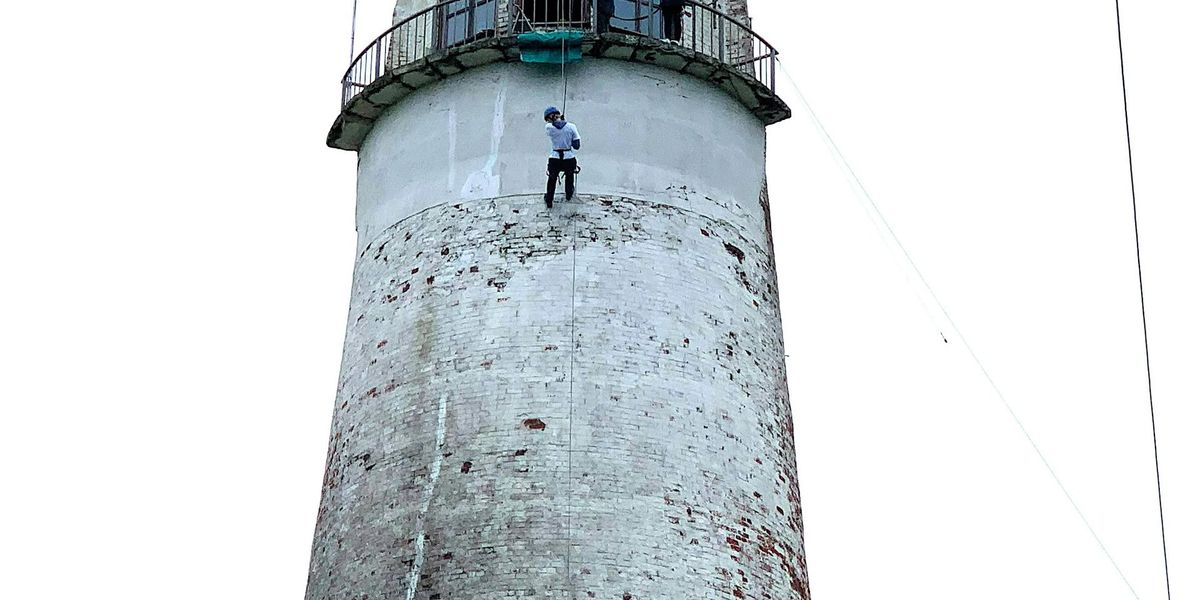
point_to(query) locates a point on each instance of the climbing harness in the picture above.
(563, 175)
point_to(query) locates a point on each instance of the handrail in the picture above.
(349, 79)
(750, 52)
(368, 47)
(737, 23)
(705, 30)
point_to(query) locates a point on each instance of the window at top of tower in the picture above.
(637, 16)
(466, 20)
(572, 14)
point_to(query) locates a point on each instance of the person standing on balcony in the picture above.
(672, 14)
(604, 14)
(564, 141)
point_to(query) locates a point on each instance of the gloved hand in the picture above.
(575, 144)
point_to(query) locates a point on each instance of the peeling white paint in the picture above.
(485, 183)
(452, 136)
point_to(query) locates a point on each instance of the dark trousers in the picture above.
(556, 166)
(604, 15)
(673, 23)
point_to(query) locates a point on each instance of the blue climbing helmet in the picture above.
(549, 111)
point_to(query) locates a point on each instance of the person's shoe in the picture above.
(549, 201)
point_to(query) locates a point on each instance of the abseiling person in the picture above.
(564, 141)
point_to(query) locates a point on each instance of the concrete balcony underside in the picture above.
(358, 117)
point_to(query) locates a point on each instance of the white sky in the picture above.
(177, 243)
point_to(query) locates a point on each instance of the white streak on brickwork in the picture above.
(485, 183)
(414, 575)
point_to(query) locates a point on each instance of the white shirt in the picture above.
(560, 139)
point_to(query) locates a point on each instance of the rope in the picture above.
(571, 411)
(562, 176)
(873, 209)
(564, 75)
(1162, 524)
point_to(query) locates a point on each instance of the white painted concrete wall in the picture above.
(648, 133)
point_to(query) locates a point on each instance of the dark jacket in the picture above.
(671, 4)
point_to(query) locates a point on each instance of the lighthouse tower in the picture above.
(583, 401)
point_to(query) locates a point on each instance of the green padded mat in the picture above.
(546, 47)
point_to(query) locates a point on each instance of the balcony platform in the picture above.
(363, 108)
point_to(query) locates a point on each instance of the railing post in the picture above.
(721, 41)
(470, 33)
(774, 59)
(695, 17)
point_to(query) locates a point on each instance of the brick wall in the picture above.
(588, 402)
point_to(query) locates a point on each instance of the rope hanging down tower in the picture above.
(1142, 296)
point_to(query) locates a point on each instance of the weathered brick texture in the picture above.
(587, 402)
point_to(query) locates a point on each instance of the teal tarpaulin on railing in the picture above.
(551, 47)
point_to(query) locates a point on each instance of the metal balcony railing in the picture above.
(450, 23)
